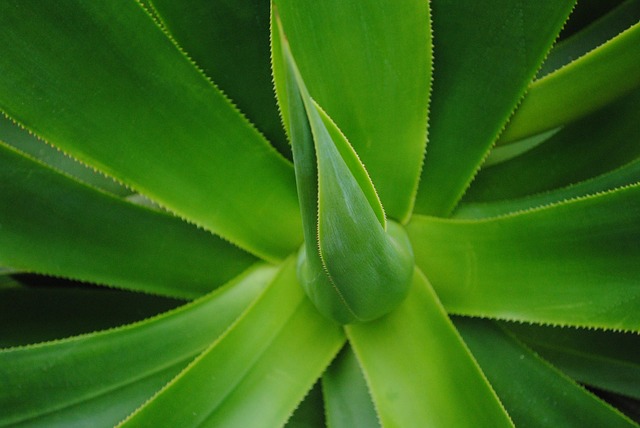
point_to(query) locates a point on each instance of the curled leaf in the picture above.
(355, 266)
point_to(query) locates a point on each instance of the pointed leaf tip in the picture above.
(354, 266)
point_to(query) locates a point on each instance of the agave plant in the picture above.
(342, 213)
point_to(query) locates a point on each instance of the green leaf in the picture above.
(604, 359)
(348, 403)
(353, 267)
(230, 41)
(257, 373)
(375, 87)
(535, 393)
(573, 263)
(605, 73)
(97, 379)
(499, 154)
(600, 31)
(624, 176)
(101, 81)
(310, 413)
(20, 139)
(597, 144)
(53, 311)
(482, 70)
(57, 226)
(419, 371)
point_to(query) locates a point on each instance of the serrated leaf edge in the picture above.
(506, 119)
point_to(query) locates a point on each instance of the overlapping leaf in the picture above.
(571, 263)
(348, 403)
(485, 56)
(355, 266)
(593, 155)
(534, 393)
(258, 372)
(604, 359)
(597, 33)
(624, 176)
(230, 41)
(309, 413)
(55, 225)
(418, 369)
(101, 81)
(595, 145)
(605, 73)
(98, 379)
(369, 66)
(11, 134)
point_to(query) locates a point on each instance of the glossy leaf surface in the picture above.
(144, 91)
(535, 393)
(414, 355)
(258, 372)
(604, 359)
(351, 56)
(624, 176)
(100, 378)
(605, 73)
(597, 33)
(354, 266)
(20, 139)
(229, 40)
(119, 95)
(597, 144)
(309, 413)
(480, 73)
(572, 263)
(65, 228)
(347, 398)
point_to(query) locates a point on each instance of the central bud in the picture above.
(355, 265)
(365, 284)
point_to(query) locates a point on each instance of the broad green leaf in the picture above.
(230, 41)
(53, 311)
(309, 413)
(624, 176)
(368, 64)
(419, 371)
(598, 144)
(573, 263)
(535, 393)
(602, 30)
(605, 73)
(257, 372)
(605, 359)
(101, 81)
(97, 379)
(57, 226)
(354, 266)
(20, 139)
(348, 403)
(485, 55)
